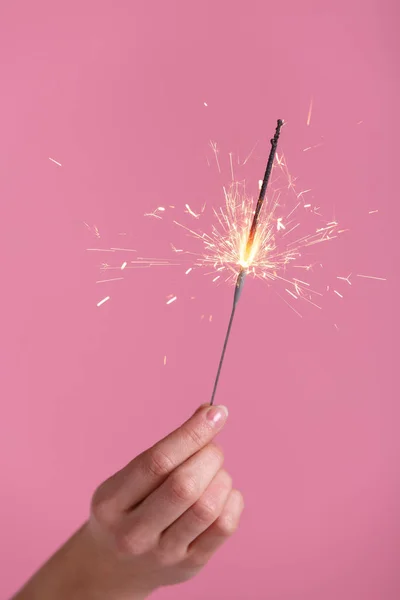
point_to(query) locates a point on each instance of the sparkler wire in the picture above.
(223, 352)
(242, 273)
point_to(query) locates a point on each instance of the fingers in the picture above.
(145, 473)
(181, 490)
(198, 517)
(203, 547)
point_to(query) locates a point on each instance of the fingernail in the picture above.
(217, 414)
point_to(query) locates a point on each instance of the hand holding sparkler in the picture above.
(250, 249)
(154, 523)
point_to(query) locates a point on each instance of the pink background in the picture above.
(115, 92)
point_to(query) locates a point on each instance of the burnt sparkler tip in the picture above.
(274, 141)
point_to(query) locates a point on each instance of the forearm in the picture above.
(75, 572)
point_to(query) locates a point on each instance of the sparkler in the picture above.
(270, 243)
(250, 250)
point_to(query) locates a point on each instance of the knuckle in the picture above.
(226, 479)
(183, 489)
(194, 436)
(165, 559)
(158, 463)
(127, 545)
(101, 506)
(167, 556)
(206, 510)
(215, 452)
(198, 559)
(131, 544)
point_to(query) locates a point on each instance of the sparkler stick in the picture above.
(249, 246)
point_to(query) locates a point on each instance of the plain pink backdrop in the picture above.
(115, 92)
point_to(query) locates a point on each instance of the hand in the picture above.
(157, 521)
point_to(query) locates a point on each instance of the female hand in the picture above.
(156, 522)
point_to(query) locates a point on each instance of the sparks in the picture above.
(309, 113)
(215, 150)
(291, 294)
(347, 279)
(249, 155)
(191, 212)
(279, 243)
(99, 250)
(171, 300)
(55, 162)
(279, 224)
(107, 280)
(276, 247)
(103, 301)
(371, 277)
(312, 147)
(230, 160)
(123, 250)
(93, 229)
(155, 213)
(123, 266)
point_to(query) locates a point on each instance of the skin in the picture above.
(156, 522)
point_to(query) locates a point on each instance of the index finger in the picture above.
(148, 470)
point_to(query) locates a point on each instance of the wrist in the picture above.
(62, 576)
(77, 570)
